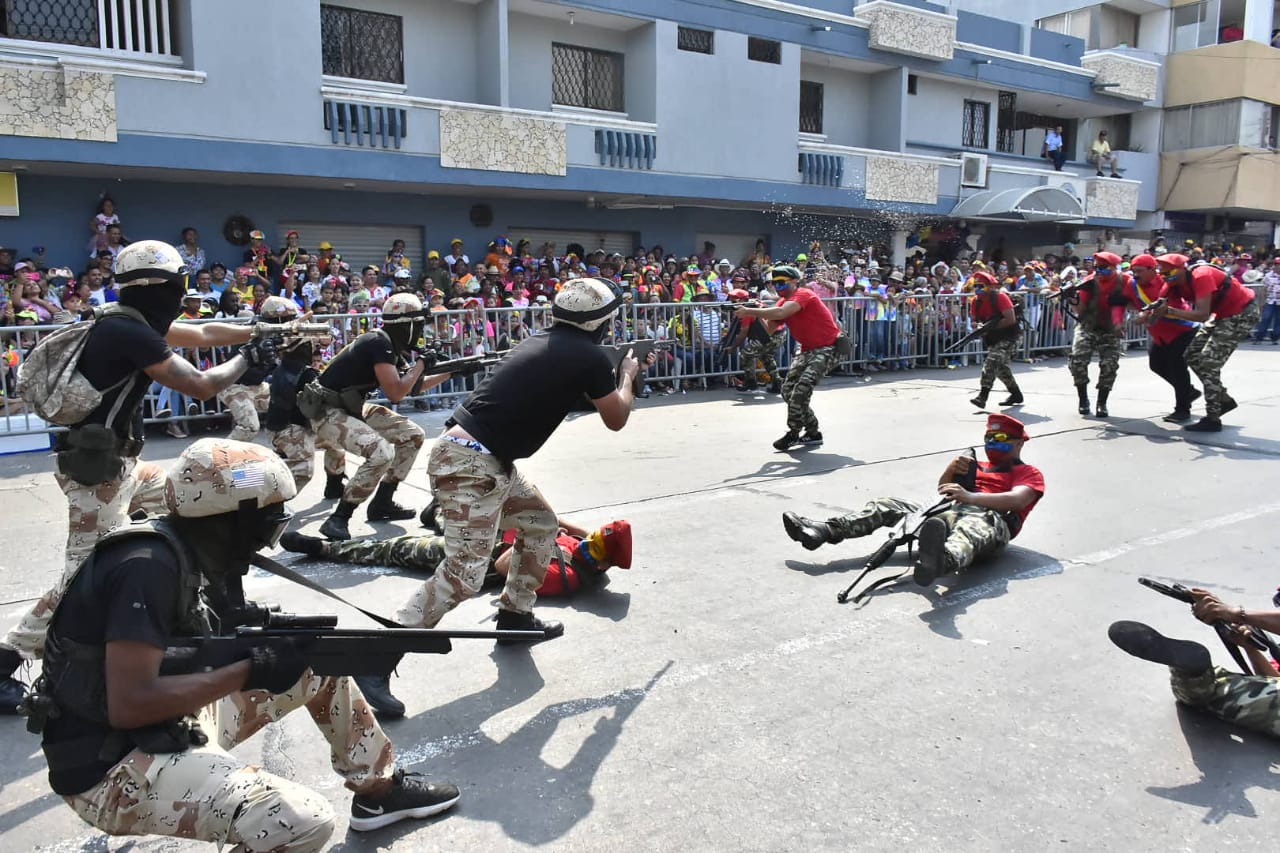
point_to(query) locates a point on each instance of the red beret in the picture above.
(1174, 260)
(984, 277)
(1109, 258)
(1004, 423)
(1143, 261)
(617, 543)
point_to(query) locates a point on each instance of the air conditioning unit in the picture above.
(973, 169)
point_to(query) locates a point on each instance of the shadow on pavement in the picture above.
(1231, 760)
(798, 462)
(21, 757)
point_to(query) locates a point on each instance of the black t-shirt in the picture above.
(119, 346)
(515, 410)
(131, 591)
(353, 367)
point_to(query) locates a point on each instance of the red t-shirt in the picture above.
(812, 326)
(991, 481)
(980, 305)
(1206, 279)
(1165, 330)
(1103, 288)
(562, 577)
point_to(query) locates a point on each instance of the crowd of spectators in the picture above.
(492, 296)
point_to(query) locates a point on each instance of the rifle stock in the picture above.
(981, 331)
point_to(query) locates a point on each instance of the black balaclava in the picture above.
(401, 334)
(159, 303)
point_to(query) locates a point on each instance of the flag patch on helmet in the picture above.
(248, 477)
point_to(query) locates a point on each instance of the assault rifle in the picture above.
(733, 306)
(981, 331)
(1154, 306)
(906, 537)
(293, 329)
(1256, 637)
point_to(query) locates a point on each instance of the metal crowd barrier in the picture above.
(913, 333)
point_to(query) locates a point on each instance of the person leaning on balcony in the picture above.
(1100, 154)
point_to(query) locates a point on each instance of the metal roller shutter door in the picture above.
(359, 244)
(622, 242)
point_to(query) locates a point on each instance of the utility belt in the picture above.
(171, 736)
(315, 401)
(93, 454)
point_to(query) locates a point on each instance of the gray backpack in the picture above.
(49, 379)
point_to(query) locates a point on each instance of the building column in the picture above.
(1258, 16)
(899, 246)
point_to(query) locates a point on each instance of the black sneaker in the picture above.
(1205, 424)
(1177, 416)
(411, 796)
(513, 620)
(377, 692)
(814, 437)
(931, 552)
(787, 441)
(1143, 641)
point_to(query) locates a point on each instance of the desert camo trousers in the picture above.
(1213, 344)
(245, 403)
(478, 496)
(804, 374)
(1107, 343)
(387, 441)
(1250, 701)
(973, 532)
(93, 512)
(207, 794)
(296, 445)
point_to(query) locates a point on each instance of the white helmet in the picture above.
(278, 309)
(148, 262)
(401, 308)
(586, 303)
(213, 475)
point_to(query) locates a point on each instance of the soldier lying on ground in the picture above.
(1251, 701)
(980, 521)
(581, 559)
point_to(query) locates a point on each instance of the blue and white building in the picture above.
(614, 123)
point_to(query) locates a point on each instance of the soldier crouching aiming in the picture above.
(979, 523)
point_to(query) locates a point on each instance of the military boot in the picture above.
(383, 507)
(333, 486)
(12, 691)
(1143, 641)
(1014, 398)
(808, 532)
(335, 526)
(298, 543)
(377, 692)
(932, 560)
(980, 401)
(775, 387)
(514, 620)
(1206, 424)
(1083, 392)
(1101, 410)
(430, 517)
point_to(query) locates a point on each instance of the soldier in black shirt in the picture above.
(512, 414)
(98, 467)
(137, 752)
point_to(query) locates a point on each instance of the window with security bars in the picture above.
(362, 45)
(1006, 120)
(764, 50)
(585, 77)
(135, 26)
(695, 41)
(973, 133)
(810, 107)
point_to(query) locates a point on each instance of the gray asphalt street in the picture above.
(717, 697)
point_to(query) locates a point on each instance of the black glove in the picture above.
(1118, 299)
(275, 668)
(260, 352)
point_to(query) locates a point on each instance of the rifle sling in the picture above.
(280, 570)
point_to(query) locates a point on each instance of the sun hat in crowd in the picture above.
(433, 254)
(256, 235)
(1251, 276)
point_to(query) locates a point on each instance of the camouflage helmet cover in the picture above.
(213, 475)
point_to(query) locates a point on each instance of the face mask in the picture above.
(1105, 271)
(999, 447)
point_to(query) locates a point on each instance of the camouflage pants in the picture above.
(94, 511)
(244, 402)
(296, 445)
(1212, 345)
(762, 351)
(996, 366)
(1108, 344)
(1250, 701)
(210, 795)
(389, 443)
(806, 371)
(415, 553)
(973, 532)
(479, 496)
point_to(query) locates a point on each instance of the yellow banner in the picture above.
(8, 194)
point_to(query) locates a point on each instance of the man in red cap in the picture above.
(1099, 305)
(989, 303)
(977, 524)
(581, 558)
(1167, 347)
(1226, 310)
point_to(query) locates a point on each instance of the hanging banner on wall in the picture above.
(8, 194)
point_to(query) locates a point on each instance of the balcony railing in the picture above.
(126, 26)
(374, 125)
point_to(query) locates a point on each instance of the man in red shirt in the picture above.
(983, 516)
(1226, 310)
(812, 326)
(990, 303)
(1169, 337)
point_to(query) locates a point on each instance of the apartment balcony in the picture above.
(1223, 72)
(909, 30)
(1123, 75)
(1232, 180)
